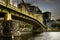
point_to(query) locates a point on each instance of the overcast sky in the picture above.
(52, 6)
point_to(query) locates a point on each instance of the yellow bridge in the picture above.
(10, 12)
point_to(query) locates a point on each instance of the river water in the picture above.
(48, 36)
(41, 36)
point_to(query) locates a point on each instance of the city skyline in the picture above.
(52, 6)
(47, 5)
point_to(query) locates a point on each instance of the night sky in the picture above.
(52, 6)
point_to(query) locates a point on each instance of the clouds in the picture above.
(48, 0)
(46, 5)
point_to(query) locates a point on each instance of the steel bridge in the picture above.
(10, 12)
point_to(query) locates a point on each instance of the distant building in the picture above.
(49, 24)
(57, 21)
(46, 17)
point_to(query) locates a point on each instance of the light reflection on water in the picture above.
(41, 36)
(49, 36)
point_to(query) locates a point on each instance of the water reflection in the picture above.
(54, 35)
(41, 36)
(48, 36)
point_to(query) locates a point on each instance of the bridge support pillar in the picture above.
(7, 25)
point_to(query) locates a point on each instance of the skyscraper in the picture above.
(46, 17)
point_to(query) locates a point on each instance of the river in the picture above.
(41, 36)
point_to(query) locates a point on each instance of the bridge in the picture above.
(9, 12)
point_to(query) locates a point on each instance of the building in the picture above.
(46, 17)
